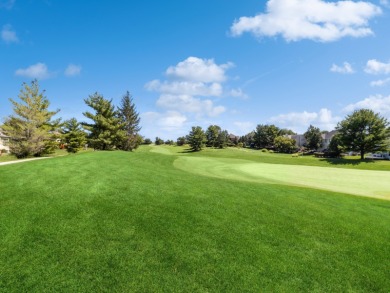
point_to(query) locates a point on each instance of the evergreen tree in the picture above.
(31, 126)
(75, 137)
(196, 138)
(181, 141)
(265, 135)
(130, 123)
(313, 138)
(223, 139)
(212, 134)
(364, 131)
(105, 131)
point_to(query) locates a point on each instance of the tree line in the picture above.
(34, 131)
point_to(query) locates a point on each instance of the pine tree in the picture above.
(105, 132)
(31, 127)
(130, 123)
(196, 138)
(74, 136)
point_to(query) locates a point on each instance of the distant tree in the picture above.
(248, 139)
(105, 131)
(286, 131)
(130, 123)
(265, 135)
(169, 142)
(313, 138)
(181, 141)
(284, 144)
(232, 140)
(212, 133)
(147, 141)
(364, 131)
(196, 138)
(158, 141)
(335, 148)
(74, 136)
(31, 126)
(223, 139)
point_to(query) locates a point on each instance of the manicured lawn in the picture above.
(124, 222)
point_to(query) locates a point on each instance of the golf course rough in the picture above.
(356, 182)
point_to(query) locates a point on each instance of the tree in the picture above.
(181, 141)
(212, 133)
(265, 135)
(158, 141)
(105, 133)
(31, 127)
(130, 123)
(284, 144)
(75, 137)
(223, 139)
(147, 141)
(334, 149)
(196, 138)
(313, 138)
(364, 131)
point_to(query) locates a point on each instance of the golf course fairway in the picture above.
(357, 182)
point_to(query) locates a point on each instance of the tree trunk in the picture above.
(361, 154)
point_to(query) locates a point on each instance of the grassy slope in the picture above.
(113, 221)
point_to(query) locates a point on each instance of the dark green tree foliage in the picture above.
(105, 131)
(181, 141)
(196, 138)
(364, 131)
(74, 136)
(248, 139)
(284, 144)
(223, 139)
(31, 126)
(212, 134)
(265, 136)
(158, 141)
(147, 141)
(130, 123)
(334, 149)
(313, 138)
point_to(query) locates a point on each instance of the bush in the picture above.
(264, 150)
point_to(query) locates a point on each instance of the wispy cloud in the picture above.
(7, 4)
(346, 68)
(316, 20)
(8, 35)
(380, 82)
(72, 70)
(38, 71)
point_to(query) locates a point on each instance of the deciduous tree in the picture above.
(364, 131)
(313, 138)
(265, 135)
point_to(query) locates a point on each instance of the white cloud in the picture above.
(199, 70)
(243, 127)
(377, 103)
(376, 67)
(346, 68)
(72, 70)
(185, 88)
(300, 121)
(238, 93)
(8, 35)
(7, 4)
(171, 120)
(380, 82)
(38, 71)
(190, 104)
(385, 3)
(316, 20)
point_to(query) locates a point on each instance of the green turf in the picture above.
(132, 222)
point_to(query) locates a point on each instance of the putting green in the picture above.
(357, 182)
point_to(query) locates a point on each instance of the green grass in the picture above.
(125, 222)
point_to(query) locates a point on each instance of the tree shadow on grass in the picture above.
(341, 161)
(187, 151)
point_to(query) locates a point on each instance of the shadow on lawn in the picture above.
(341, 161)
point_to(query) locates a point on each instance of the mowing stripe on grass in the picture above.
(357, 182)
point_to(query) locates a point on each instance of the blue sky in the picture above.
(233, 63)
